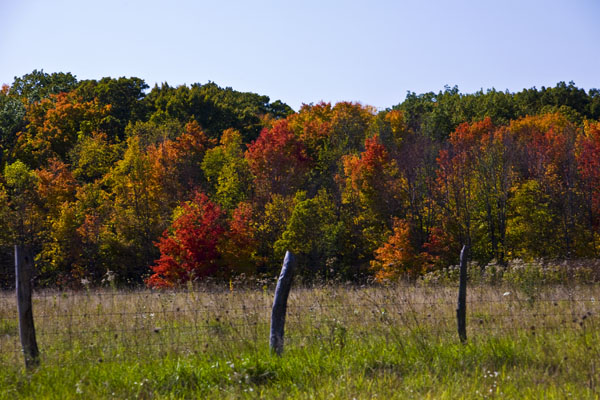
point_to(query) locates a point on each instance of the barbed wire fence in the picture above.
(104, 325)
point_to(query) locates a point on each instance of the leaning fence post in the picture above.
(24, 272)
(284, 283)
(461, 310)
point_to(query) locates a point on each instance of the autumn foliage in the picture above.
(179, 184)
(278, 160)
(189, 248)
(397, 257)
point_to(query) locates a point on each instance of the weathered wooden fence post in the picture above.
(461, 310)
(280, 302)
(24, 274)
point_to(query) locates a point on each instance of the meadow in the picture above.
(342, 341)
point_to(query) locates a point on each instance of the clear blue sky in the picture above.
(306, 51)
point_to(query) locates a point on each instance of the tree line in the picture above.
(111, 179)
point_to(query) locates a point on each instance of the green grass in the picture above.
(341, 342)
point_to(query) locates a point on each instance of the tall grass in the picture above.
(341, 341)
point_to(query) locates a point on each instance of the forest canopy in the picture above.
(167, 185)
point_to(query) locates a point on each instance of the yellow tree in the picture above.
(140, 212)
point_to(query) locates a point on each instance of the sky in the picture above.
(306, 51)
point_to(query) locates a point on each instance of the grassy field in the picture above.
(341, 342)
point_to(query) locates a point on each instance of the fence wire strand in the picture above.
(114, 325)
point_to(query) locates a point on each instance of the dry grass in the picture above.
(100, 325)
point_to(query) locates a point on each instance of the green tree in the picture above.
(532, 224)
(38, 85)
(227, 171)
(23, 221)
(312, 232)
(270, 223)
(12, 120)
(92, 157)
(124, 96)
(214, 108)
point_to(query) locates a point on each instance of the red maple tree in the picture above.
(189, 248)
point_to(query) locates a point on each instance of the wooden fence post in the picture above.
(280, 302)
(24, 273)
(461, 310)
